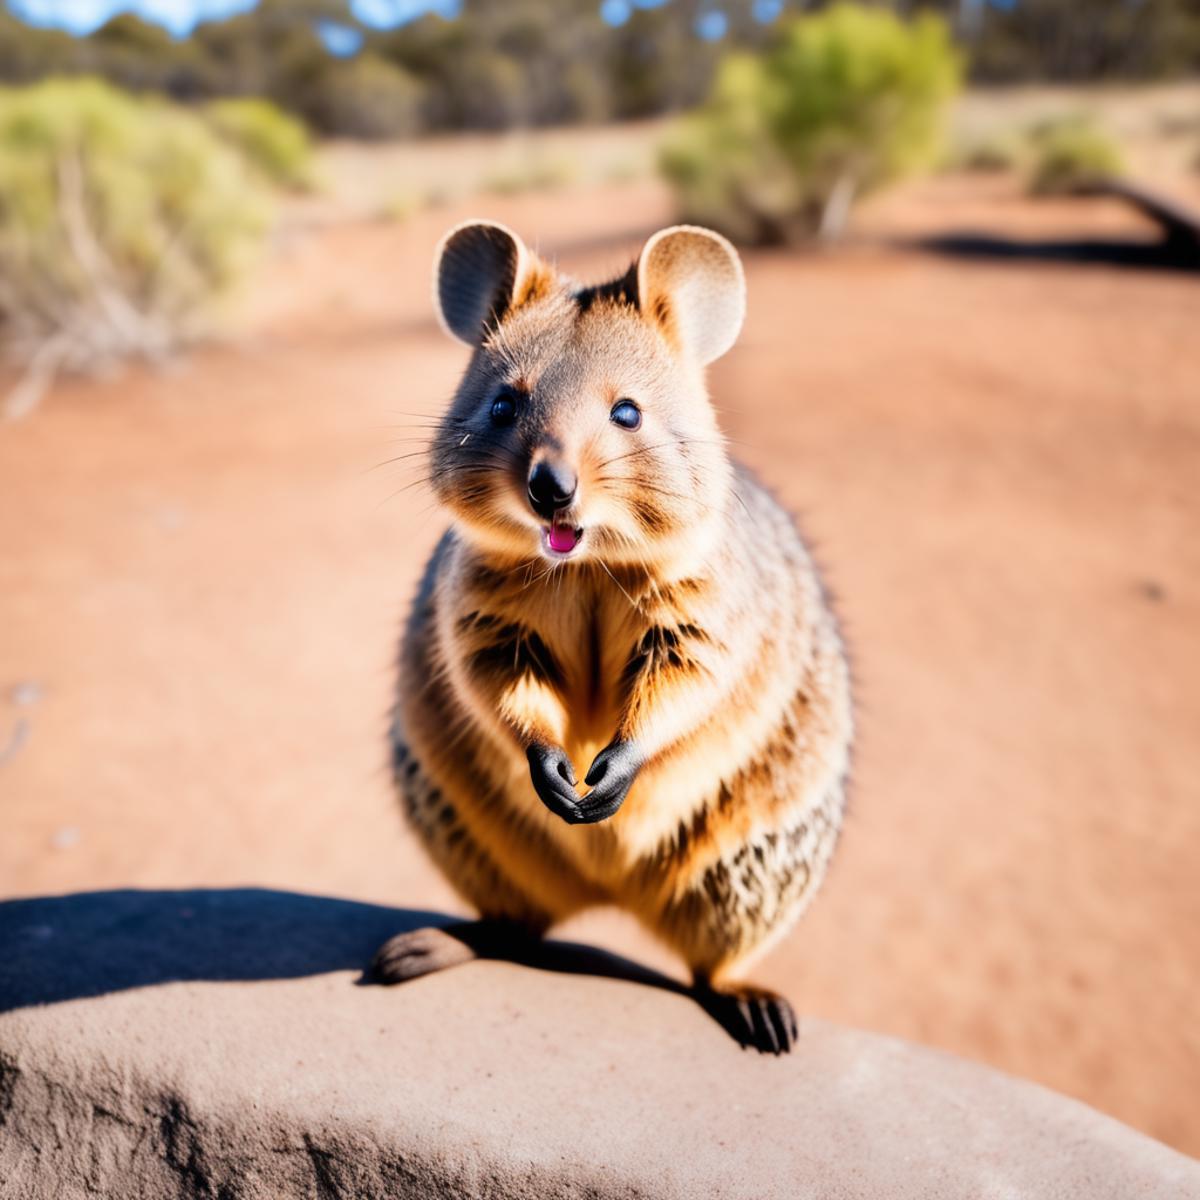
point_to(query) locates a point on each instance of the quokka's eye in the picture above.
(626, 414)
(504, 409)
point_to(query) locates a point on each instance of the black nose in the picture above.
(551, 487)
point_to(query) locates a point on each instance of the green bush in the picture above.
(120, 220)
(275, 144)
(1004, 150)
(366, 97)
(839, 104)
(1070, 153)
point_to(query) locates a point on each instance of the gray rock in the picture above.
(218, 1044)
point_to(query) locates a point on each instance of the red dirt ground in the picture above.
(203, 576)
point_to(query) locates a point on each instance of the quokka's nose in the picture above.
(551, 487)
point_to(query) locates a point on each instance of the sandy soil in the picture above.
(1157, 127)
(203, 574)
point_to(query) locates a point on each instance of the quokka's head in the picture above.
(582, 429)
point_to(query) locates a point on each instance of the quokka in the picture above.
(616, 601)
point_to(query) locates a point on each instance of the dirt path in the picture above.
(202, 578)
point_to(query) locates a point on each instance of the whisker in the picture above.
(387, 462)
(400, 412)
(608, 462)
(632, 603)
(642, 485)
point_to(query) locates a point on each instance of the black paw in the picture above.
(610, 777)
(553, 779)
(755, 1018)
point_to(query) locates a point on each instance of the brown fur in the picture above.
(691, 623)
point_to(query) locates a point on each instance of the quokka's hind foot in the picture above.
(755, 1017)
(420, 952)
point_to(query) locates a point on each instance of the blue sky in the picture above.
(82, 16)
(181, 16)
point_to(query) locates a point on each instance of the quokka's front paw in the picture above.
(610, 777)
(553, 779)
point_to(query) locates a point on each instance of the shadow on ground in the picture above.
(1164, 255)
(59, 948)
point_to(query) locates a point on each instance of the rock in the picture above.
(219, 1044)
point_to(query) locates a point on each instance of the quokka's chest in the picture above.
(591, 645)
(572, 642)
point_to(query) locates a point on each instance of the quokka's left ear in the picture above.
(690, 283)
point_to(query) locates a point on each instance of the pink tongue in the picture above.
(562, 539)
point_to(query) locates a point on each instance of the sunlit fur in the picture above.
(690, 620)
(651, 496)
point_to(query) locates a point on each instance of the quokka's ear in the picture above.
(480, 269)
(690, 283)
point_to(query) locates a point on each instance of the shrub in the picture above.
(533, 175)
(993, 152)
(841, 103)
(366, 97)
(275, 144)
(488, 89)
(398, 207)
(120, 219)
(1069, 153)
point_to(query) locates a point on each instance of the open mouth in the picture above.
(561, 541)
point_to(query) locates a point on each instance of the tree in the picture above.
(841, 103)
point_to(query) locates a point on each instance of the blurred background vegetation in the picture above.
(137, 161)
(836, 105)
(494, 64)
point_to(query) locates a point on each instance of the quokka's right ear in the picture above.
(480, 270)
